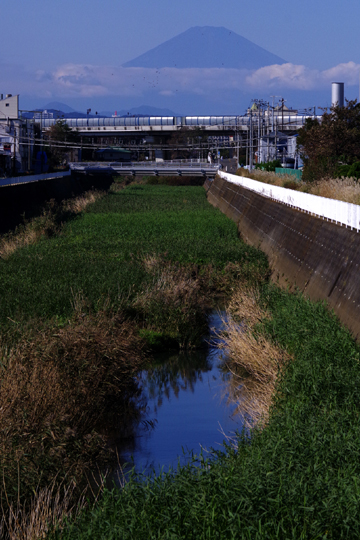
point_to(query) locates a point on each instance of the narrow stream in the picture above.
(187, 408)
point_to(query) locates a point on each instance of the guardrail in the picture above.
(340, 212)
(33, 178)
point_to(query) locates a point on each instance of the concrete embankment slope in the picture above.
(322, 259)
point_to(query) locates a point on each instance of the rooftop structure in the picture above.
(9, 107)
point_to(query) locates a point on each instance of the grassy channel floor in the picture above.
(299, 478)
(100, 252)
(74, 307)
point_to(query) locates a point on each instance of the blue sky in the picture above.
(68, 50)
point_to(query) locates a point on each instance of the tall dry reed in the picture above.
(174, 302)
(78, 204)
(340, 189)
(48, 509)
(254, 361)
(59, 388)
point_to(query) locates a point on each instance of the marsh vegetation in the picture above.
(295, 475)
(138, 270)
(87, 292)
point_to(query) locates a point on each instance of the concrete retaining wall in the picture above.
(26, 200)
(320, 258)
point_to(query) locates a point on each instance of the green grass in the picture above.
(139, 268)
(100, 252)
(299, 478)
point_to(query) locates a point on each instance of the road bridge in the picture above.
(150, 168)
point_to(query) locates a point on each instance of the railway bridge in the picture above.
(165, 132)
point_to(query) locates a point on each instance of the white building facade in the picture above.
(16, 138)
(279, 146)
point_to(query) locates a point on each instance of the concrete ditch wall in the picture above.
(26, 200)
(322, 259)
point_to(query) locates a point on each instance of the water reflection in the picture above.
(174, 373)
(186, 409)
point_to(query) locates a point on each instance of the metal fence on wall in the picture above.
(340, 212)
(291, 172)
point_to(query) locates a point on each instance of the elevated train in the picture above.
(232, 122)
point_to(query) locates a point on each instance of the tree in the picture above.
(333, 142)
(270, 166)
(58, 135)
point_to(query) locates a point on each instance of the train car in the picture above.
(183, 121)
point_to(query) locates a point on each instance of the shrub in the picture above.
(270, 166)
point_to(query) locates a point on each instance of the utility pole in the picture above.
(41, 144)
(273, 109)
(251, 143)
(247, 146)
(259, 132)
(268, 134)
(237, 143)
(14, 153)
(28, 134)
(274, 124)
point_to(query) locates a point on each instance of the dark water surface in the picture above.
(187, 407)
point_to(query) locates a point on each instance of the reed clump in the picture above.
(341, 189)
(267, 177)
(59, 388)
(48, 509)
(253, 359)
(178, 297)
(48, 224)
(175, 301)
(78, 204)
(244, 306)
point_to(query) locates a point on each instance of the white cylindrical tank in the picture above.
(337, 94)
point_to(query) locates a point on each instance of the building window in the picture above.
(7, 104)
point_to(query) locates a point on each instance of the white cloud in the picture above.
(105, 80)
(348, 73)
(82, 80)
(301, 78)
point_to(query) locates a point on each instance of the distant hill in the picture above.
(206, 47)
(68, 112)
(59, 107)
